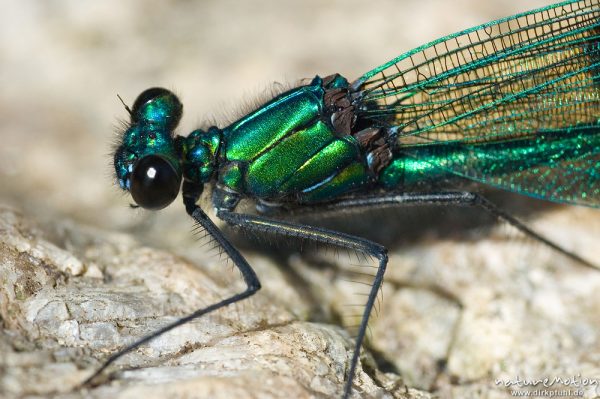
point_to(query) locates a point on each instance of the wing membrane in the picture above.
(510, 79)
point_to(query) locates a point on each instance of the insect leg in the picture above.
(330, 237)
(464, 198)
(248, 274)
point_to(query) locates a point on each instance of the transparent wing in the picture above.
(510, 79)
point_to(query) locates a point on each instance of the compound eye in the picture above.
(154, 182)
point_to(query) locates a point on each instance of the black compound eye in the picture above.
(154, 182)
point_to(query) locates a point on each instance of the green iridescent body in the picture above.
(511, 103)
(497, 161)
(306, 161)
(287, 151)
(271, 156)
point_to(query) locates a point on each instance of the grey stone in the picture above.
(60, 326)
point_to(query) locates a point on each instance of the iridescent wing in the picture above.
(517, 78)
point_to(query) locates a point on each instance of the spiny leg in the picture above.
(463, 198)
(262, 224)
(248, 274)
(457, 199)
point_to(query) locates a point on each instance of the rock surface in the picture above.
(71, 296)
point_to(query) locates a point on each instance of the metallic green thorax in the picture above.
(296, 148)
(287, 150)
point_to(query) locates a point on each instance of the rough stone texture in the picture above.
(81, 274)
(57, 320)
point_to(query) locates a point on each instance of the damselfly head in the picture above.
(147, 163)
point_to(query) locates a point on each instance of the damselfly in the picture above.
(513, 104)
